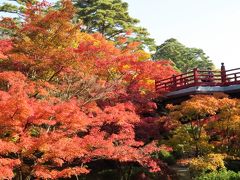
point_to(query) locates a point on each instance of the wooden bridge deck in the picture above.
(200, 82)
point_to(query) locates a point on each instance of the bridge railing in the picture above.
(199, 78)
(233, 76)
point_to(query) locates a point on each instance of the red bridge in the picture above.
(200, 82)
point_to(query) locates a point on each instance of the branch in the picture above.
(116, 33)
(55, 74)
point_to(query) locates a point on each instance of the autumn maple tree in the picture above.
(69, 99)
(206, 129)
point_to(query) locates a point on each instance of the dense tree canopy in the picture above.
(108, 17)
(207, 127)
(71, 100)
(183, 57)
(111, 18)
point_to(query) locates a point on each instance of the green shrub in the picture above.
(219, 175)
(166, 157)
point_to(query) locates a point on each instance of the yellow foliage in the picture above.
(184, 141)
(142, 55)
(210, 162)
(150, 81)
(126, 66)
(219, 116)
(200, 105)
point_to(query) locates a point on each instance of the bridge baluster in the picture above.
(174, 80)
(195, 75)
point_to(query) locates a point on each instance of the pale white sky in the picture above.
(212, 25)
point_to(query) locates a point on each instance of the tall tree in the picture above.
(184, 58)
(16, 7)
(111, 18)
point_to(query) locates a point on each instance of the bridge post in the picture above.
(195, 75)
(174, 85)
(223, 73)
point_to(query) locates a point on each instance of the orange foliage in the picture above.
(68, 98)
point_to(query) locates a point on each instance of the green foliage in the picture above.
(219, 175)
(166, 157)
(184, 58)
(16, 7)
(34, 131)
(111, 18)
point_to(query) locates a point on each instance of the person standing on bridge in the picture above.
(209, 77)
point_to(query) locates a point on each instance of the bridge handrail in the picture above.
(235, 69)
(176, 76)
(204, 71)
(176, 79)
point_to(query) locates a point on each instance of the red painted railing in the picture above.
(199, 78)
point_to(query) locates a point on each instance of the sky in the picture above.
(212, 25)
